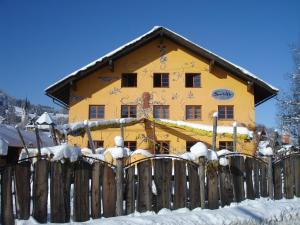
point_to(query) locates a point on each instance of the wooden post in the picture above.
(202, 181)
(270, 177)
(7, 215)
(120, 179)
(54, 134)
(22, 180)
(88, 132)
(234, 136)
(215, 124)
(38, 142)
(22, 140)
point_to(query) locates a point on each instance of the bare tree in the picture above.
(289, 101)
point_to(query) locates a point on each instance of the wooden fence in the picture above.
(82, 190)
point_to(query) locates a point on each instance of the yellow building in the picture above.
(163, 75)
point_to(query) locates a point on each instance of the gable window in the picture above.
(192, 80)
(128, 111)
(130, 144)
(129, 80)
(226, 145)
(161, 111)
(96, 112)
(193, 112)
(189, 144)
(162, 147)
(225, 112)
(161, 80)
(97, 144)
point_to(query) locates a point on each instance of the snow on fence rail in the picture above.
(81, 190)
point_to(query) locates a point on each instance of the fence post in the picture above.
(88, 133)
(270, 177)
(120, 178)
(234, 136)
(215, 124)
(202, 181)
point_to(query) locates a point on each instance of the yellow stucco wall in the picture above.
(103, 87)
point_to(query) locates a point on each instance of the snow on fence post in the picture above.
(88, 133)
(120, 173)
(202, 180)
(234, 136)
(215, 124)
(268, 153)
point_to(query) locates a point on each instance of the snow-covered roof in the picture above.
(45, 119)
(10, 134)
(267, 90)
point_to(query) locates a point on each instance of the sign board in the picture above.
(222, 94)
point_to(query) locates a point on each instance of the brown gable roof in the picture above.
(59, 91)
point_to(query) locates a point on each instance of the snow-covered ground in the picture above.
(260, 211)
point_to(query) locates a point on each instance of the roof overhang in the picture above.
(60, 91)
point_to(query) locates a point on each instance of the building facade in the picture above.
(162, 75)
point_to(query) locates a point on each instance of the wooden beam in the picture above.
(111, 65)
(38, 140)
(211, 65)
(88, 132)
(22, 139)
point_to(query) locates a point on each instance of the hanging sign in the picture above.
(222, 94)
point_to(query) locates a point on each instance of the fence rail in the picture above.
(84, 190)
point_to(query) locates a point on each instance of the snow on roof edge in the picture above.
(243, 70)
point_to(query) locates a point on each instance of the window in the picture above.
(97, 144)
(130, 144)
(193, 112)
(189, 144)
(161, 111)
(161, 80)
(96, 112)
(226, 145)
(128, 111)
(192, 80)
(225, 112)
(162, 147)
(129, 80)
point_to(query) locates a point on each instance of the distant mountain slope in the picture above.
(11, 110)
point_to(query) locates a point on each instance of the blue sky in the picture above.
(41, 41)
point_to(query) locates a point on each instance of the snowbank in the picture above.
(248, 212)
(268, 151)
(199, 149)
(58, 153)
